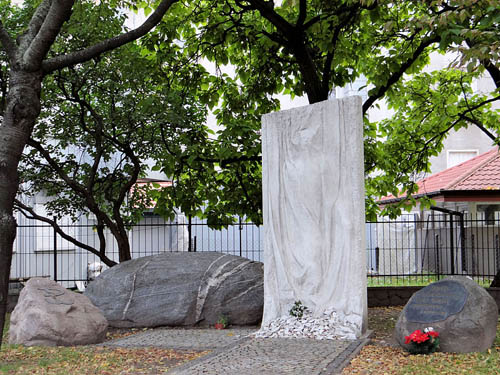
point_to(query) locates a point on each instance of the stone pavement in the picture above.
(236, 353)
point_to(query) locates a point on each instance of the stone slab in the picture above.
(313, 208)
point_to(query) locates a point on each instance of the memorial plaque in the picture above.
(436, 302)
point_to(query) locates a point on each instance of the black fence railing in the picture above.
(413, 250)
(40, 251)
(407, 251)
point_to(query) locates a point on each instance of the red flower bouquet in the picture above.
(423, 342)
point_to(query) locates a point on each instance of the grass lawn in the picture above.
(415, 280)
(383, 357)
(20, 360)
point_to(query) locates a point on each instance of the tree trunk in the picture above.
(312, 82)
(8, 226)
(123, 248)
(496, 281)
(22, 109)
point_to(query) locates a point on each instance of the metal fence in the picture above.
(418, 250)
(408, 251)
(40, 251)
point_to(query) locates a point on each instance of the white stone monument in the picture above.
(314, 220)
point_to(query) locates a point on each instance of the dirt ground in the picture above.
(383, 355)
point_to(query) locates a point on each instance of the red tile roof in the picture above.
(147, 181)
(479, 173)
(150, 181)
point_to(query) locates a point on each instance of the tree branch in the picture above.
(97, 134)
(33, 215)
(90, 201)
(311, 22)
(399, 73)
(479, 105)
(462, 117)
(41, 35)
(34, 24)
(8, 44)
(224, 162)
(245, 192)
(472, 118)
(60, 62)
(302, 13)
(266, 10)
(53, 164)
(488, 65)
(480, 126)
(493, 70)
(275, 37)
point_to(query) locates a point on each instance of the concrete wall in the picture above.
(377, 296)
(397, 296)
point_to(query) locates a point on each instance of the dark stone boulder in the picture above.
(463, 313)
(180, 289)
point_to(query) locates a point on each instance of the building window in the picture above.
(490, 213)
(456, 157)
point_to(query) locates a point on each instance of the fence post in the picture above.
(189, 234)
(497, 253)
(462, 243)
(438, 266)
(55, 251)
(240, 227)
(473, 255)
(452, 247)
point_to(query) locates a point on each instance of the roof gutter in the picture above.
(396, 200)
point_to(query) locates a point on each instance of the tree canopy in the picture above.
(429, 105)
(27, 37)
(300, 47)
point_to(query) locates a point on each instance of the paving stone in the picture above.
(189, 339)
(270, 356)
(238, 352)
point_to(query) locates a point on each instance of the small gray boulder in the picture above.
(180, 289)
(48, 314)
(463, 313)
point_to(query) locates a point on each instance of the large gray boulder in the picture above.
(463, 313)
(48, 314)
(180, 289)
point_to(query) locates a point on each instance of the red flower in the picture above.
(415, 334)
(419, 337)
(422, 338)
(422, 342)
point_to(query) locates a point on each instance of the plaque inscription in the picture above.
(436, 302)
